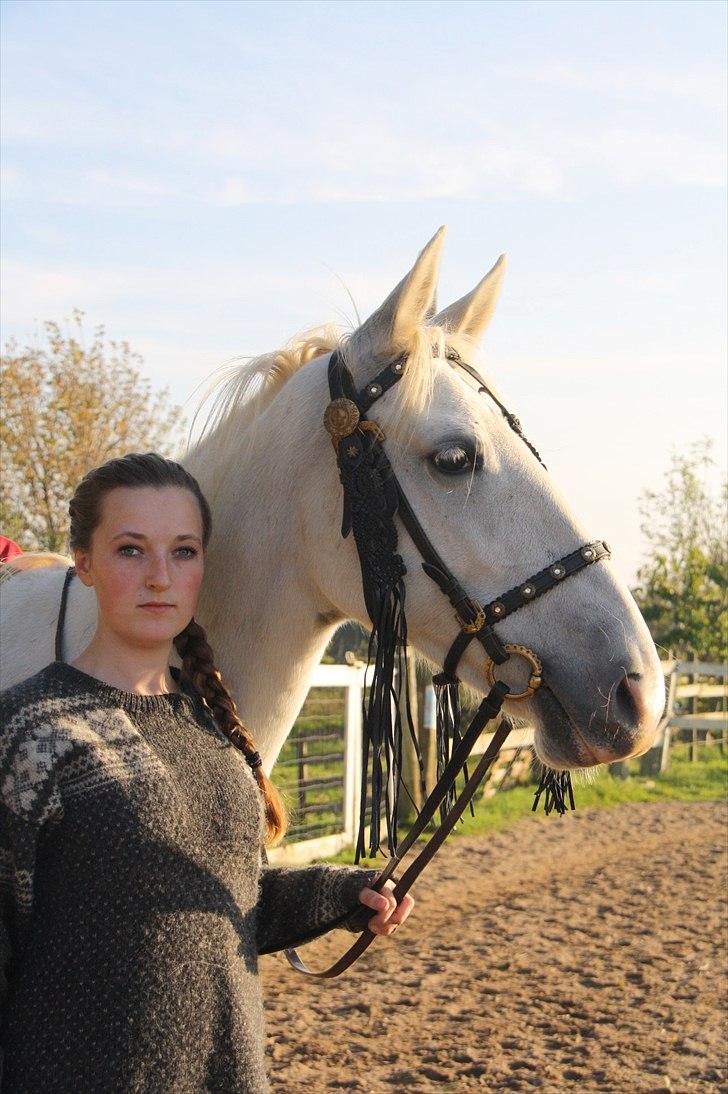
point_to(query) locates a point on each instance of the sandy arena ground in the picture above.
(586, 953)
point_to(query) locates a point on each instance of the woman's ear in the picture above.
(82, 562)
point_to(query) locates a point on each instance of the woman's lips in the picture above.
(156, 607)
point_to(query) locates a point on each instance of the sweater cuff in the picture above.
(338, 893)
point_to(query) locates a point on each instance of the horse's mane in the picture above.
(243, 390)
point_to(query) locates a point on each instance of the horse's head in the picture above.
(496, 517)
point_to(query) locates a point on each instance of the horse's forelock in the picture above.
(245, 389)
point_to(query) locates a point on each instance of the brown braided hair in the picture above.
(198, 666)
(198, 662)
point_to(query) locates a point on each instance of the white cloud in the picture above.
(703, 86)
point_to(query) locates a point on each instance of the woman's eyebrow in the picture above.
(140, 535)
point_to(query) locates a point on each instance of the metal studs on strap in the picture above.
(558, 570)
(528, 591)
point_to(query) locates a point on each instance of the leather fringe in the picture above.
(557, 791)
(383, 724)
(447, 733)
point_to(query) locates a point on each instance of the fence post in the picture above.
(409, 804)
(352, 754)
(301, 769)
(694, 709)
(428, 740)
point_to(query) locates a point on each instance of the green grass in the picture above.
(705, 780)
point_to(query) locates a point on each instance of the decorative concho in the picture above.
(340, 419)
(588, 553)
(534, 662)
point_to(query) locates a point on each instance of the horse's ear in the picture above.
(392, 325)
(471, 315)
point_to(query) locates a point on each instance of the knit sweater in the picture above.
(133, 901)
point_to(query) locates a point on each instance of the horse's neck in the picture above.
(267, 630)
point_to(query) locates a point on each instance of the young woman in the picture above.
(133, 805)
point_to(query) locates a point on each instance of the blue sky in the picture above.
(201, 177)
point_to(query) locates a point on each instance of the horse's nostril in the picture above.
(629, 700)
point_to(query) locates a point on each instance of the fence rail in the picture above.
(696, 706)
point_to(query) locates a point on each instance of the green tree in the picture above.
(683, 583)
(69, 404)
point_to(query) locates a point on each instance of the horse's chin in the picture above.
(561, 744)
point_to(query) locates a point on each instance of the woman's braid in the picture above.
(198, 669)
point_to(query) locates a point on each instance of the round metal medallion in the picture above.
(341, 418)
(557, 571)
(528, 591)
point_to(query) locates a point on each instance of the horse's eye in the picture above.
(454, 458)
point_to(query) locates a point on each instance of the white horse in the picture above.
(280, 579)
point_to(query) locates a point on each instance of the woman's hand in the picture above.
(389, 914)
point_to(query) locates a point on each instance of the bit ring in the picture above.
(534, 680)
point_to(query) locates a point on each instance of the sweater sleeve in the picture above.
(297, 904)
(29, 800)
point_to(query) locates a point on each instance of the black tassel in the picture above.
(447, 733)
(383, 728)
(370, 506)
(557, 791)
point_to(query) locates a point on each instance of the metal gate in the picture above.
(319, 767)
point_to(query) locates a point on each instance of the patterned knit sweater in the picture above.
(133, 902)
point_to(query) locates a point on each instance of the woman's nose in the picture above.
(158, 574)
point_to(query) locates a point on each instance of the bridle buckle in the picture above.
(477, 624)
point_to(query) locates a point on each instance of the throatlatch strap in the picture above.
(70, 572)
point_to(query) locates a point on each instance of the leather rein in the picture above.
(356, 438)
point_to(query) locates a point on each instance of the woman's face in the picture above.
(146, 563)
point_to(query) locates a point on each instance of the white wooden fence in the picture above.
(351, 679)
(697, 703)
(690, 684)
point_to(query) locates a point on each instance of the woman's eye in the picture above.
(455, 459)
(128, 550)
(187, 552)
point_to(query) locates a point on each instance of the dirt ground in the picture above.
(584, 953)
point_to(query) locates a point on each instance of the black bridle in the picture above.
(373, 497)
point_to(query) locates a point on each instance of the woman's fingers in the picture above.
(404, 908)
(389, 915)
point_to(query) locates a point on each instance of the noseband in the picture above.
(373, 497)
